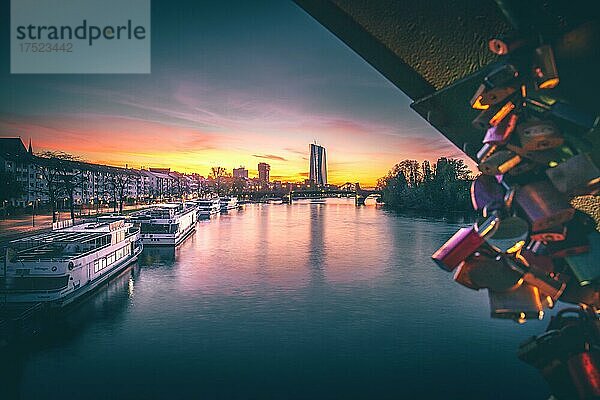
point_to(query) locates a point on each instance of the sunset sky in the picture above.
(231, 84)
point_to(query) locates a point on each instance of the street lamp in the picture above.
(32, 213)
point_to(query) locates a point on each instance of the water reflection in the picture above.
(316, 244)
(287, 301)
(157, 255)
(104, 306)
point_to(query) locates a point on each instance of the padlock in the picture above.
(542, 350)
(543, 206)
(544, 158)
(485, 271)
(519, 304)
(547, 283)
(485, 189)
(501, 133)
(579, 229)
(576, 294)
(499, 84)
(539, 135)
(544, 70)
(499, 163)
(586, 266)
(572, 245)
(493, 115)
(486, 151)
(574, 115)
(576, 176)
(462, 244)
(584, 369)
(552, 234)
(524, 167)
(541, 262)
(509, 236)
(563, 112)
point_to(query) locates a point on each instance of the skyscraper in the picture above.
(263, 172)
(240, 172)
(318, 165)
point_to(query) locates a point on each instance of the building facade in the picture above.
(240, 172)
(263, 172)
(92, 184)
(318, 165)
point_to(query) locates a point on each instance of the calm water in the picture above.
(312, 301)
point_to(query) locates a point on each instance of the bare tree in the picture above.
(218, 173)
(120, 181)
(62, 174)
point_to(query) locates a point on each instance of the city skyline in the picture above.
(238, 88)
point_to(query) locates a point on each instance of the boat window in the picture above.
(155, 228)
(36, 283)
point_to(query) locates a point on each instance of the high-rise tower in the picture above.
(263, 172)
(318, 165)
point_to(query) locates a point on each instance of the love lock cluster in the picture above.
(530, 247)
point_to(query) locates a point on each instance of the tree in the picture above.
(442, 186)
(120, 181)
(393, 187)
(218, 174)
(62, 175)
(238, 186)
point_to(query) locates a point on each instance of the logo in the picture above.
(80, 36)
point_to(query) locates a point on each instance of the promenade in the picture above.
(13, 227)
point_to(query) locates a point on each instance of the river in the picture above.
(308, 301)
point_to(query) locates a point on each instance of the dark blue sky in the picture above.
(232, 83)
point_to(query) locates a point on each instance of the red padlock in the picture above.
(464, 243)
(552, 234)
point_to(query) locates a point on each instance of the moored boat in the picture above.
(208, 207)
(60, 266)
(166, 224)
(228, 203)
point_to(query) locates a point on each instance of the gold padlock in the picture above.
(499, 84)
(493, 115)
(499, 163)
(519, 304)
(544, 70)
(485, 271)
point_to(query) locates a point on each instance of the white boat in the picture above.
(60, 266)
(208, 207)
(166, 224)
(228, 203)
(274, 200)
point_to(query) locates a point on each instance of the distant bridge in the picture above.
(346, 190)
